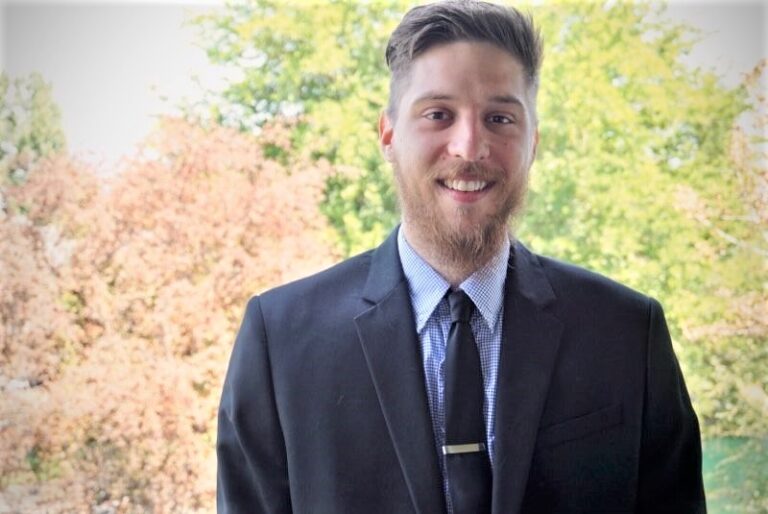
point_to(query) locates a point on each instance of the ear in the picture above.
(386, 131)
(535, 144)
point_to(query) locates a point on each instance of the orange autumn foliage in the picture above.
(120, 300)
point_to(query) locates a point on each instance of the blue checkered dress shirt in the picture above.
(427, 288)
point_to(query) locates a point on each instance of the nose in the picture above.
(467, 141)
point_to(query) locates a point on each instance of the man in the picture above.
(450, 369)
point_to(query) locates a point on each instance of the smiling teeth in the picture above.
(466, 185)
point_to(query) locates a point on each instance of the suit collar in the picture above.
(388, 337)
(386, 273)
(531, 282)
(427, 287)
(531, 337)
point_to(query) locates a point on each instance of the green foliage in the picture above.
(30, 125)
(734, 475)
(324, 61)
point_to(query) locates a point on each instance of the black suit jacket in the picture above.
(324, 408)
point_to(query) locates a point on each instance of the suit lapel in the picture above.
(388, 336)
(530, 340)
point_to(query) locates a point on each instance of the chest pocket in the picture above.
(579, 427)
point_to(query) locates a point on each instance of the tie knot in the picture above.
(461, 306)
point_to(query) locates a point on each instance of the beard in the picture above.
(454, 240)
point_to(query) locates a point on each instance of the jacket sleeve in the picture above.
(252, 475)
(670, 460)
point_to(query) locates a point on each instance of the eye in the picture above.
(437, 115)
(501, 119)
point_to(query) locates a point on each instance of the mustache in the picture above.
(474, 170)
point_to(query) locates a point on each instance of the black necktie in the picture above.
(465, 450)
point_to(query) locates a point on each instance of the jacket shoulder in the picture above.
(578, 284)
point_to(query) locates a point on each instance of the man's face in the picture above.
(461, 144)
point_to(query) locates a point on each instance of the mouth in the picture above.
(465, 186)
(465, 191)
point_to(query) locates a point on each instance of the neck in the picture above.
(455, 267)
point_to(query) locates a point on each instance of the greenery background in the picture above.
(649, 172)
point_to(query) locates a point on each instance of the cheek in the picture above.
(422, 145)
(514, 154)
(417, 153)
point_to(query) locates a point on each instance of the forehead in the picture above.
(465, 70)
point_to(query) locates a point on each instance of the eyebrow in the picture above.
(498, 99)
(507, 99)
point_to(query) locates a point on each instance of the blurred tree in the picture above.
(325, 61)
(30, 125)
(117, 328)
(730, 356)
(38, 331)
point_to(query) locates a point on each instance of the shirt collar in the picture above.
(485, 287)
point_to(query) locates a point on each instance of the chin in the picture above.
(463, 219)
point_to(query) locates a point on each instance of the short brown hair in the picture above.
(461, 20)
